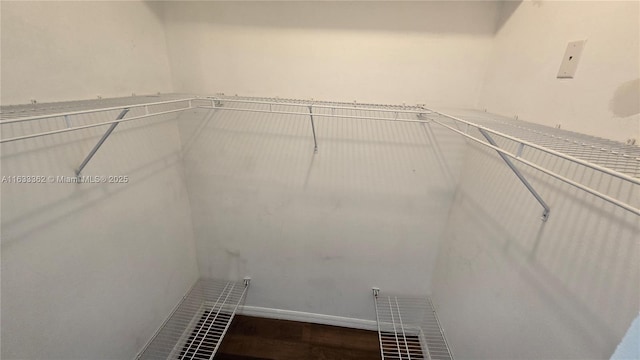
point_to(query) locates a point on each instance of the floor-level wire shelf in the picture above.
(198, 324)
(408, 329)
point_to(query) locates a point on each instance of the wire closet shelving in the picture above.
(408, 328)
(196, 327)
(515, 141)
(198, 323)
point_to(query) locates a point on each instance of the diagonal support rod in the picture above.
(313, 128)
(545, 212)
(100, 142)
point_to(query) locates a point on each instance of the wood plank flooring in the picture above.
(251, 338)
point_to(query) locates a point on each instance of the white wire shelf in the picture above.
(408, 328)
(515, 141)
(22, 111)
(22, 122)
(617, 156)
(61, 122)
(196, 327)
(511, 139)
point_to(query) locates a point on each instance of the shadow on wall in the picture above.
(431, 16)
(626, 99)
(506, 9)
(365, 139)
(552, 285)
(73, 255)
(62, 150)
(156, 8)
(317, 230)
(566, 288)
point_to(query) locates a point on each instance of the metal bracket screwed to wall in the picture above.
(523, 179)
(100, 142)
(313, 129)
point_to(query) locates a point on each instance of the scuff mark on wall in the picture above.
(237, 264)
(626, 99)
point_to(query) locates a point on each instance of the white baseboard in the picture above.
(308, 317)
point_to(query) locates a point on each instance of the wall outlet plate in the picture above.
(571, 59)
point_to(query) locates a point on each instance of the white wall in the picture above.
(509, 286)
(604, 97)
(64, 50)
(90, 271)
(386, 52)
(316, 232)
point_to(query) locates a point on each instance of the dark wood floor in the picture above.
(251, 338)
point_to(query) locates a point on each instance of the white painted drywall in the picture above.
(317, 231)
(385, 52)
(71, 50)
(509, 286)
(90, 271)
(604, 97)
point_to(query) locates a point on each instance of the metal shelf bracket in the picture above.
(523, 179)
(313, 129)
(101, 141)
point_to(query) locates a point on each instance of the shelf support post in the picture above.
(313, 129)
(100, 142)
(545, 212)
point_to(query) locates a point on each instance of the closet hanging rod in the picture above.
(89, 111)
(53, 132)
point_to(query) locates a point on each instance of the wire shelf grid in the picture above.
(408, 329)
(621, 157)
(8, 112)
(195, 329)
(515, 140)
